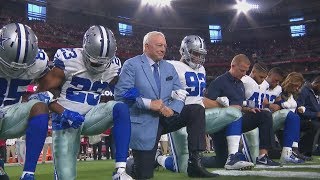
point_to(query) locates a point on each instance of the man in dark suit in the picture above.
(309, 98)
(146, 84)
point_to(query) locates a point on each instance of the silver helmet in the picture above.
(99, 48)
(18, 49)
(193, 51)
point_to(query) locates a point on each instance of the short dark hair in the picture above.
(277, 70)
(316, 80)
(261, 67)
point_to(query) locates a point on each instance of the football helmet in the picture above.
(99, 48)
(18, 49)
(193, 51)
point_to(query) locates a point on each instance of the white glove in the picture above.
(301, 109)
(249, 103)
(179, 94)
(111, 72)
(224, 101)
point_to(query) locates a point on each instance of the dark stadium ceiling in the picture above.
(184, 12)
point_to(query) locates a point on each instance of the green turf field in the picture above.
(102, 170)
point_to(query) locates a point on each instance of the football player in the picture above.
(192, 77)
(284, 116)
(268, 93)
(86, 72)
(21, 62)
(254, 93)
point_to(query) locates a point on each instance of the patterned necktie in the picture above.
(156, 76)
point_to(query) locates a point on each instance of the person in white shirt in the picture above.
(11, 148)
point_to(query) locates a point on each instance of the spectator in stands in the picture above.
(96, 143)
(109, 143)
(164, 144)
(11, 150)
(3, 149)
(309, 98)
(84, 144)
(21, 149)
(47, 143)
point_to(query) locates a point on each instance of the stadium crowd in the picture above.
(275, 90)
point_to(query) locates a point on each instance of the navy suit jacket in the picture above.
(137, 73)
(308, 99)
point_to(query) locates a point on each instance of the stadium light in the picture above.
(161, 3)
(243, 6)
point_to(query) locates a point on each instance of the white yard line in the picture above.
(266, 173)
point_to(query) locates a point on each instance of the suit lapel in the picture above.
(163, 74)
(149, 74)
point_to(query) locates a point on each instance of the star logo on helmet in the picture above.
(2, 40)
(86, 39)
(188, 41)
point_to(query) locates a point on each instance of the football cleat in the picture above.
(291, 160)
(265, 161)
(121, 176)
(297, 154)
(236, 162)
(28, 177)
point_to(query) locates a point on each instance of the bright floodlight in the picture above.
(244, 7)
(156, 2)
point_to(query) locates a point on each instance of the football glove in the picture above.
(249, 103)
(74, 119)
(45, 97)
(224, 101)
(131, 94)
(179, 94)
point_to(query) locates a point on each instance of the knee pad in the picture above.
(279, 118)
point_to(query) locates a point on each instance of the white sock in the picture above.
(286, 152)
(161, 160)
(233, 143)
(26, 172)
(121, 170)
(261, 156)
(295, 144)
(121, 165)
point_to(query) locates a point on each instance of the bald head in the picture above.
(240, 59)
(239, 66)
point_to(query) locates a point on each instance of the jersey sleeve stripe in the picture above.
(58, 63)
